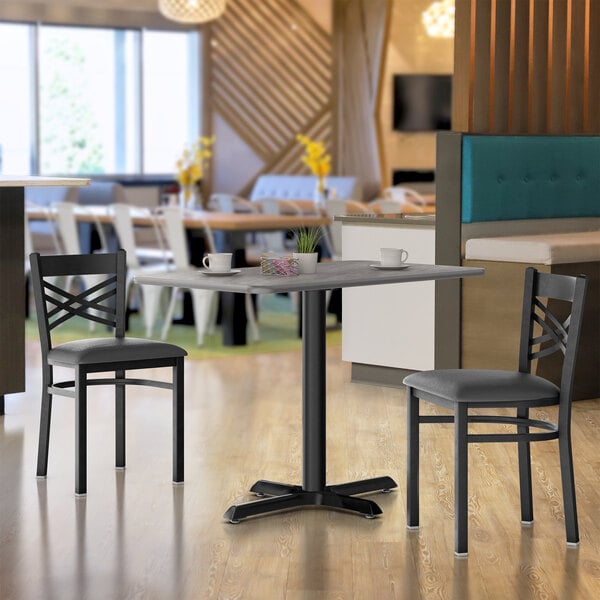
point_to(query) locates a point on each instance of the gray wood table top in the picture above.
(351, 273)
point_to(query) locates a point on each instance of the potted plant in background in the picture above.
(307, 240)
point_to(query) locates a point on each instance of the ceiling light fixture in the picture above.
(191, 11)
(438, 19)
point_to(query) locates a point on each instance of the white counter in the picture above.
(391, 330)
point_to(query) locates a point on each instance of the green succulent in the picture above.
(307, 239)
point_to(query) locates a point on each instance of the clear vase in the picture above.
(187, 198)
(320, 192)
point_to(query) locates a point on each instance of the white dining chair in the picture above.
(276, 241)
(230, 203)
(204, 302)
(150, 294)
(386, 206)
(407, 197)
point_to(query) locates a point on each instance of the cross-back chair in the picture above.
(542, 333)
(103, 303)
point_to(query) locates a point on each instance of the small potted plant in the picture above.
(307, 239)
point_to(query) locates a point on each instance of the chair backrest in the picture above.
(357, 207)
(103, 302)
(175, 235)
(38, 231)
(67, 227)
(335, 207)
(270, 206)
(273, 241)
(386, 206)
(405, 196)
(229, 203)
(124, 228)
(546, 301)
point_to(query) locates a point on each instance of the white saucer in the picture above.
(221, 273)
(391, 268)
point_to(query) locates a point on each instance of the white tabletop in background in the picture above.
(32, 180)
(351, 273)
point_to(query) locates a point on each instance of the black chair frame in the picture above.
(557, 335)
(103, 303)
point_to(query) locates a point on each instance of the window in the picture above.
(169, 66)
(109, 101)
(16, 100)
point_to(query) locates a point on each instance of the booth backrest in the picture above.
(507, 178)
(302, 187)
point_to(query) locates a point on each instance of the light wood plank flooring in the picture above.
(136, 535)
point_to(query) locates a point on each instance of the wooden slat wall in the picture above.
(527, 66)
(360, 28)
(270, 79)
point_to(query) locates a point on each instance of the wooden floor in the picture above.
(136, 535)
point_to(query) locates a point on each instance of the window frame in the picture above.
(195, 49)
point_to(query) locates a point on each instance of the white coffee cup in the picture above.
(392, 257)
(218, 262)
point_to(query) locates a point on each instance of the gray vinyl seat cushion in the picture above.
(479, 385)
(110, 350)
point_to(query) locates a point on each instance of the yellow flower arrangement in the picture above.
(316, 158)
(191, 164)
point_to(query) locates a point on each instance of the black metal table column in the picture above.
(314, 491)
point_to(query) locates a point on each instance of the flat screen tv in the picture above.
(422, 102)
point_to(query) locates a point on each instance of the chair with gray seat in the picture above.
(546, 328)
(103, 303)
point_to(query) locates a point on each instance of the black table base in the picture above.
(314, 491)
(286, 497)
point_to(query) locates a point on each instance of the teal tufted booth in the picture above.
(506, 177)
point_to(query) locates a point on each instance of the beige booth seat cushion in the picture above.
(546, 249)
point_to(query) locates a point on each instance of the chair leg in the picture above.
(120, 421)
(169, 315)
(568, 486)
(211, 324)
(525, 471)
(178, 421)
(252, 318)
(461, 481)
(412, 460)
(80, 431)
(201, 300)
(45, 417)
(151, 300)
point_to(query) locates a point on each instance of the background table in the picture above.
(314, 491)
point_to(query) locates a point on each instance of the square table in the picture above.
(314, 491)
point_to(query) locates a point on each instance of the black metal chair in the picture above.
(542, 333)
(104, 303)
